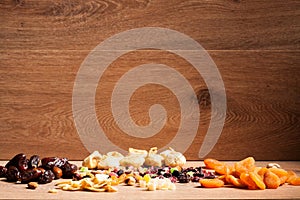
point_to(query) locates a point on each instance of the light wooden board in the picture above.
(183, 191)
(255, 45)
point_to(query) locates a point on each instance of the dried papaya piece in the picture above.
(235, 181)
(291, 175)
(281, 173)
(271, 180)
(295, 181)
(211, 183)
(258, 180)
(245, 166)
(246, 179)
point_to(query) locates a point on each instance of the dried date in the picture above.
(47, 177)
(3, 171)
(34, 161)
(12, 174)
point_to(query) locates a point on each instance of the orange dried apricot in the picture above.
(211, 183)
(219, 167)
(245, 178)
(295, 181)
(262, 172)
(271, 180)
(258, 180)
(222, 169)
(245, 166)
(235, 181)
(281, 173)
(291, 175)
(211, 163)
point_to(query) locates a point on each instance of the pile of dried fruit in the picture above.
(150, 170)
(244, 174)
(21, 169)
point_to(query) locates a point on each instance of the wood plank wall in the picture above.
(254, 43)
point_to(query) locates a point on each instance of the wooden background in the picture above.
(255, 45)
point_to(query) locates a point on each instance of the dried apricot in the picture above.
(295, 181)
(245, 178)
(281, 173)
(245, 166)
(262, 172)
(291, 175)
(235, 181)
(222, 169)
(258, 180)
(211, 183)
(271, 180)
(219, 167)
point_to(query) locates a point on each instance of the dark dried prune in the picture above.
(46, 177)
(3, 171)
(68, 170)
(15, 160)
(12, 174)
(34, 161)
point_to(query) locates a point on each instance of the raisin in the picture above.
(34, 161)
(211, 183)
(184, 178)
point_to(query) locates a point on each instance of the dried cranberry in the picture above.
(12, 174)
(34, 161)
(3, 171)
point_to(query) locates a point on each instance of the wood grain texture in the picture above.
(81, 25)
(255, 45)
(183, 191)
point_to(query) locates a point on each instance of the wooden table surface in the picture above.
(183, 191)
